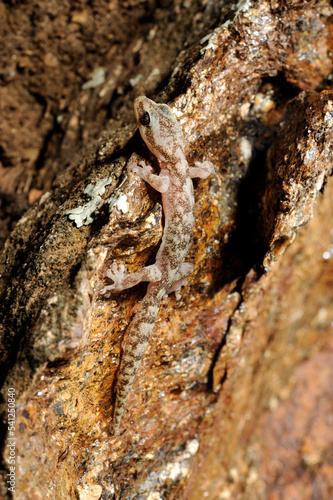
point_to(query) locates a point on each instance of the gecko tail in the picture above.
(133, 349)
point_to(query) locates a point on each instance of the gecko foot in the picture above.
(117, 275)
(141, 168)
(181, 279)
(206, 168)
(176, 287)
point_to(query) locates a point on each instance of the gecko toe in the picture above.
(116, 273)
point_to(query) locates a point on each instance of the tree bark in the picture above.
(233, 398)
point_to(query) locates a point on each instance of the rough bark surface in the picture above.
(233, 398)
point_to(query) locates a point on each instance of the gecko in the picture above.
(163, 135)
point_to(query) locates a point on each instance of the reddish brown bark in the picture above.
(233, 397)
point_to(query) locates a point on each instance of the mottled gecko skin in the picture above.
(164, 137)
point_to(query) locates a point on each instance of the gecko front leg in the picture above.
(122, 281)
(159, 182)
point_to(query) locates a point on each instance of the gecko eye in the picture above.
(145, 119)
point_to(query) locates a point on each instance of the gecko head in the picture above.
(159, 129)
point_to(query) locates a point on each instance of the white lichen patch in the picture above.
(179, 468)
(192, 446)
(174, 471)
(244, 109)
(263, 103)
(83, 215)
(44, 197)
(97, 78)
(246, 149)
(154, 496)
(211, 39)
(241, 7)
(90, 492)
(328, 117)
(135, 80)
(328, 254)
(122, 203)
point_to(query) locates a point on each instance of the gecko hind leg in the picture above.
(201, 169)
(181, 279)
(122, 281)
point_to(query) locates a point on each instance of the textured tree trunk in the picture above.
(233, 398)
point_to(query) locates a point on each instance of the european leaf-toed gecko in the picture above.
(164, 137)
